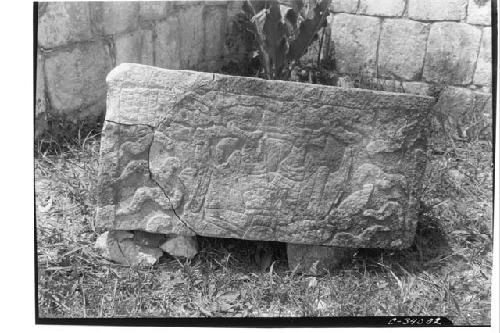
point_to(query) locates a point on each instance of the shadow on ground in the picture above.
(429, 247)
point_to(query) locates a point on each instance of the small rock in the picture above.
(456, 177)
(119, 246)
(321, 305)
(181, 246)
(313, 282)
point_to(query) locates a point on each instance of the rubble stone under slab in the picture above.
(143, 248)
(119, 246)
(181, 246)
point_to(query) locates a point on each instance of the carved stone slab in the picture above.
(192, 153)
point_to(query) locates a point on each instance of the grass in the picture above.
(446, 272)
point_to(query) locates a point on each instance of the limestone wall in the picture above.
(80, 42)
(417, 45)
(406, 45)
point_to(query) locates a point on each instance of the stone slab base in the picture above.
(316, 260)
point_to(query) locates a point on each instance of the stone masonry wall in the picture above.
(406, 45)
(417, 45)
(80, 42)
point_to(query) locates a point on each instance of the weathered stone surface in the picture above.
(451, 53)
(191, 22)
(136, 47)
(192, 153)
(77, 78)
(119, 246)
(214, 25)
(479, 12)
(62, 23)
(464, 113)
(417, 88)
(402, 48)
(233, 8)
(437, 10)
(316, 260)
(167, 44)
(40, 87)
(355, 42)
(381, 7)
(152, 10)
(40, 106)
(181, 246)
(482, 75)
(113, 17)
(344, 6)
(372, 83)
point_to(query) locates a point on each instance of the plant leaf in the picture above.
(275, 39)
(255, 26)
(292, 17)
(308, 29)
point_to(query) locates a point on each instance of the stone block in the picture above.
(41, 103)
(167, 44)
(402, 48)
(135, 47)
(181, 246)
(452, 50)
(191, 153)
(344, 6)
(153, 10)
(76, 78)
(214, 25)
(355, 42)
(115, 17)
(482, 74)
(437, 10)
(233, 8)
(464, 114)
(191, 36)
(417, 88)
(62, 23)
(316, 260)
(119, 246)
(479, 12)
(381, 7)
(40, 87)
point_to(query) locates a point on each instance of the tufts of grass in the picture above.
(445, 272)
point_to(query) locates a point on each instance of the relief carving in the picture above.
(229, 159)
